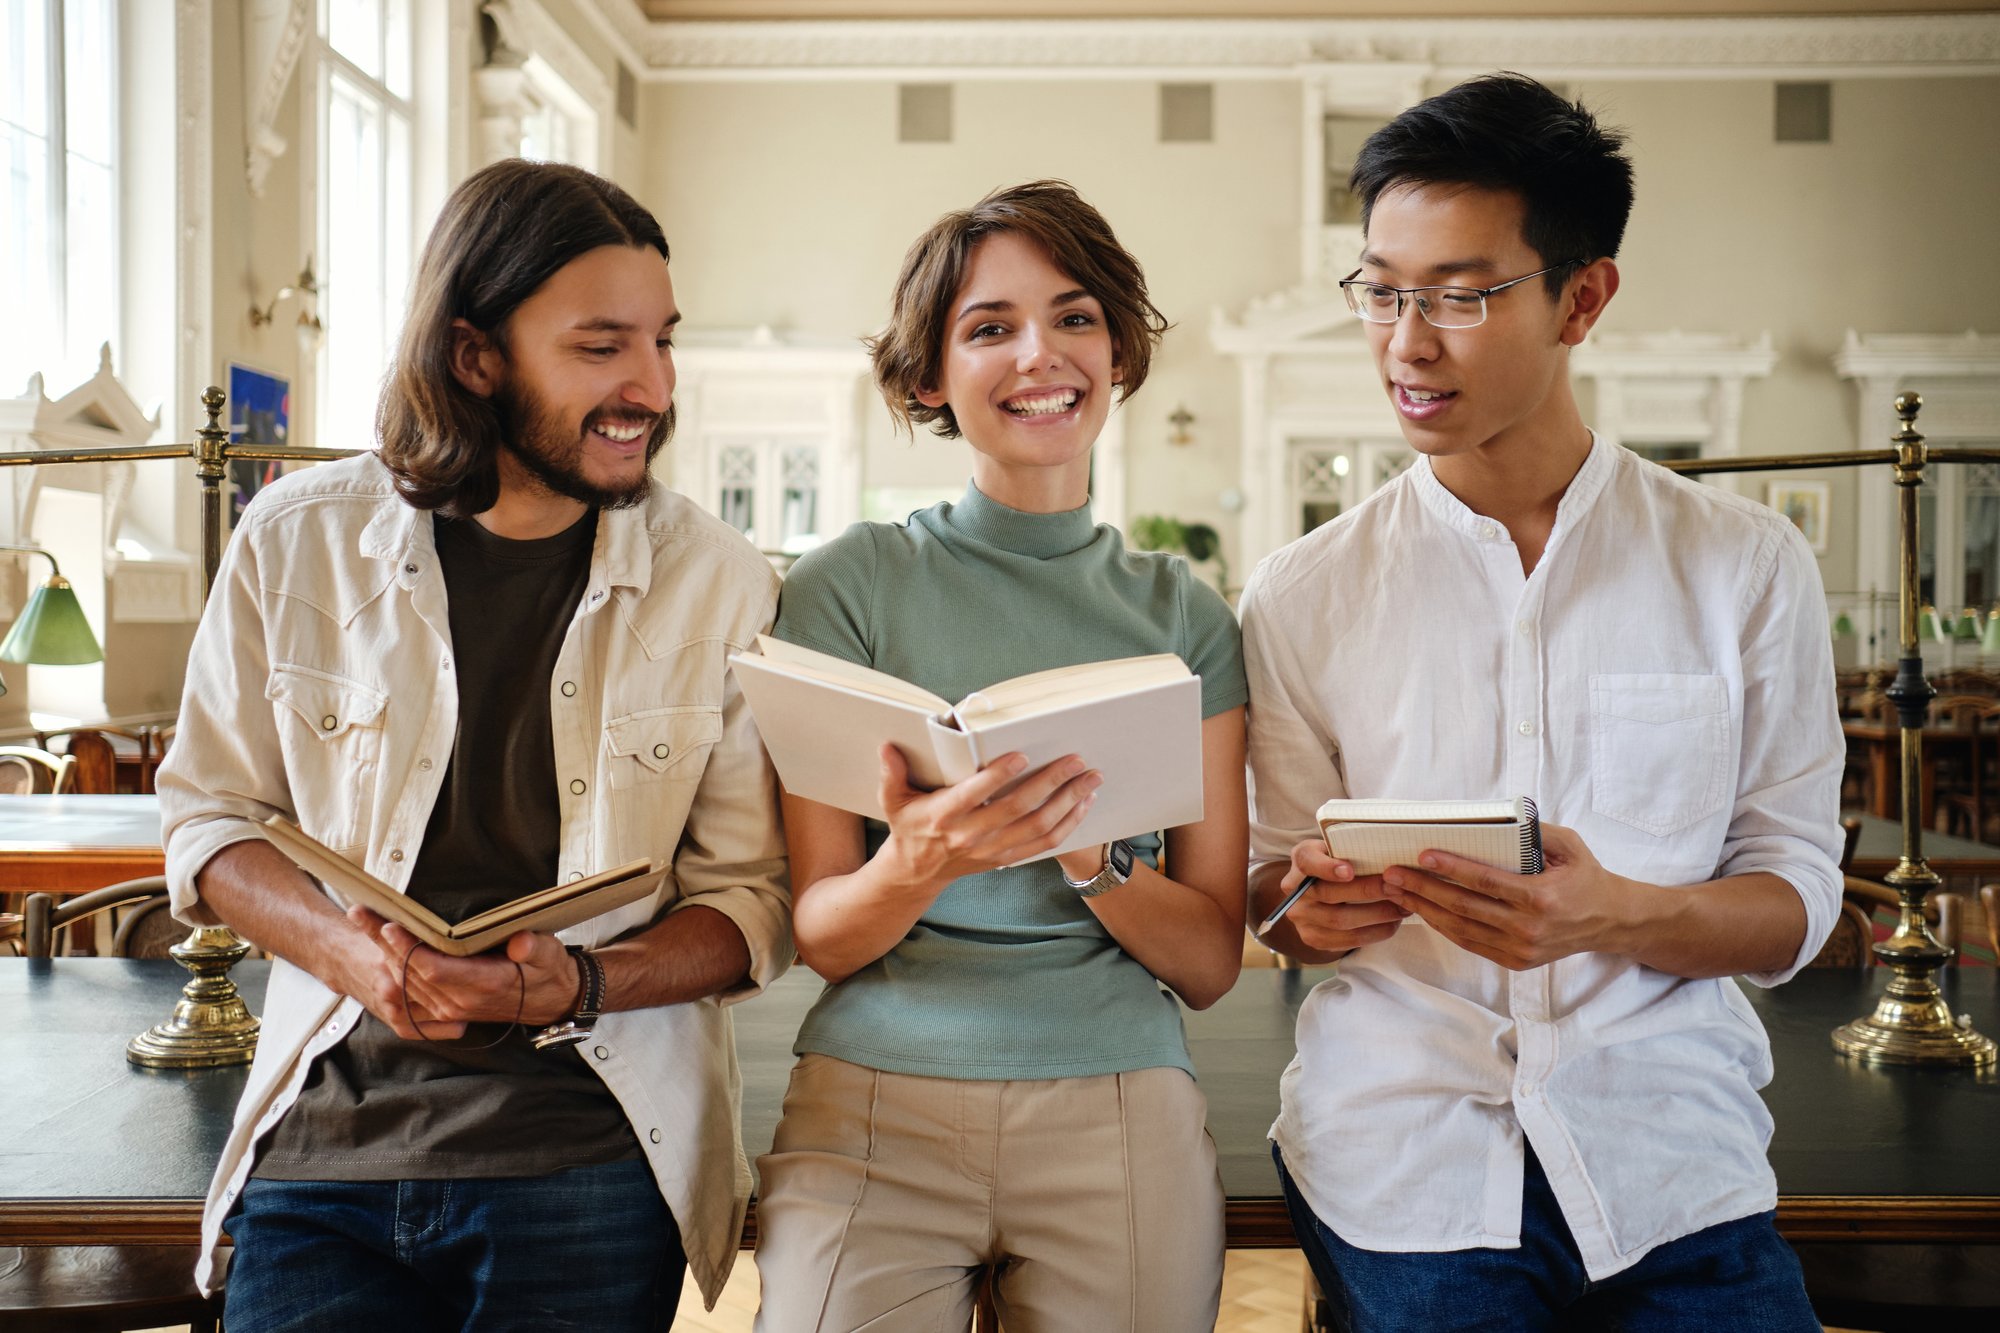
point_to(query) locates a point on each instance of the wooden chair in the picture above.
(146, 931)
(28, 771)
(1989, 902)
(1963, 782)
(99, 760)
(1849, 944)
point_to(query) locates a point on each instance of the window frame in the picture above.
(73, 364)
(328, 64)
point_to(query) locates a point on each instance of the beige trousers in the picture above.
(1096, 1200)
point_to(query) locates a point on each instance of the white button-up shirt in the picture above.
(321, 687)
(1662, 683)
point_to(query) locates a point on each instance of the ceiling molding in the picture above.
(1623, 48)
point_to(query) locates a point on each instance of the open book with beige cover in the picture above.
(547, 910)
(1137, 720)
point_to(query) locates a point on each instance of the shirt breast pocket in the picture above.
(1659, 749)
(330, 730)
(660, 745)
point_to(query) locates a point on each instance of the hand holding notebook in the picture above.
(1372, 835)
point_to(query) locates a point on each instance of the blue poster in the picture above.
(260, 412)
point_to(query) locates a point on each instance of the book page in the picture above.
(1065, 687)
(535, 902)
(1373, 848)
(791, 659)
(1422, 812)
(352, 885)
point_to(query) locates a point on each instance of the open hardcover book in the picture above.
(1374, 835)
(1137, 720)
(547, 910)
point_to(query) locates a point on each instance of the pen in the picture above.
(1278, 914)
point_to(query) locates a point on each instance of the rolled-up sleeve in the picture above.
(1786, 820)
(225, 772)
(731, 857)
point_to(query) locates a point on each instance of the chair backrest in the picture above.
(1850, 943)
(47, 914)
(98, 756)
(26, 770)
(1850, 836)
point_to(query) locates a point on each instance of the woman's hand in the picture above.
(969, 827)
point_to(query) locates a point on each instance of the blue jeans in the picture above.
(593, 1247)
(1739, 1276)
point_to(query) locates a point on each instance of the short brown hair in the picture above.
(505, 231)
(909, 352)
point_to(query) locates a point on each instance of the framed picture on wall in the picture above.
(1805, 504)
(260, 412)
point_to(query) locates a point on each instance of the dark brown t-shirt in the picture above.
(377, 1107)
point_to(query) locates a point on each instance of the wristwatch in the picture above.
(1117, 868)
(583, 1010)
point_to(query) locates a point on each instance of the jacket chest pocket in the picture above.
(660, 745)
(330, 730)
(1659, 750)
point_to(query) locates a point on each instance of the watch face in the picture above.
(1120, 857)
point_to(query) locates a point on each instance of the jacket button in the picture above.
(653, 1134)
(329, 722)
(577, 786)
(396, 854)
(660, 752)
(602, 1053)
(569, 689)
(424, 764)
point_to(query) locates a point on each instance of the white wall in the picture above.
(789, 202)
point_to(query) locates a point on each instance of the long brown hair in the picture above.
(505, 231)
(909, 352)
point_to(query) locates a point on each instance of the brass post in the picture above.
(1912, 1024)
(211, 1025)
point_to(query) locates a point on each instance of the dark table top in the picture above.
(1860, 1152)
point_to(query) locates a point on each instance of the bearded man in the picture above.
(488, 659)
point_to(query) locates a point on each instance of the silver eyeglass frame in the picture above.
(1406, 294)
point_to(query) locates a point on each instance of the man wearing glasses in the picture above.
(1531, 1101)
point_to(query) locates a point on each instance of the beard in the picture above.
(551, 450)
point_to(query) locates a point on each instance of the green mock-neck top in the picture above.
(1008, 975)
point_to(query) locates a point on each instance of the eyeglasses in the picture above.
(1441, 307)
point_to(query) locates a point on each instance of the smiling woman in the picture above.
(985, 995)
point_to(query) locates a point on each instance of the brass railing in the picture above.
(210, 1025)
(1912, 1024)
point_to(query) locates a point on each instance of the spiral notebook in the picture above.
(1374, 835)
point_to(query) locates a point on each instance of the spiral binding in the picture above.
(1531, 837)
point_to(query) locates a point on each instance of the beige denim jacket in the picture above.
(321, 687)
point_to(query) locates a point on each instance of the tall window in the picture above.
(59, 260)
(366, 170)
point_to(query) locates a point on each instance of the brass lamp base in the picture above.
(1912, 1025)
(211, 1025)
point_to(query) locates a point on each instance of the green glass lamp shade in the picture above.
(1843, 626)
(1991, 642)
(1967, 630)
(52, 631)
(1934, 625)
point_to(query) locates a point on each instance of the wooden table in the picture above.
(1883, 742)
(72, 844)
(100, 1152)
(1880, 847)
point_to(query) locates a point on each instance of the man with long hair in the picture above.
(488, 659)
(1530, 1101)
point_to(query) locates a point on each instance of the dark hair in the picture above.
(1508, 132)
(909, 352)
(505, 231)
